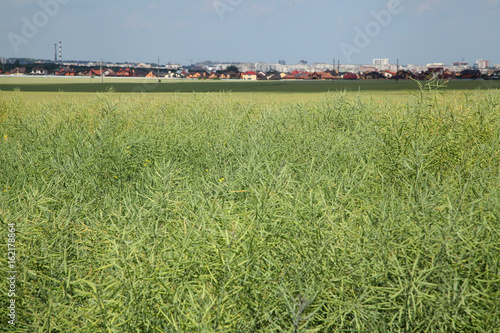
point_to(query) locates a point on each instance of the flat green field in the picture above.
(272, 97)
(251, 211)
(49, 88)
(49, 84)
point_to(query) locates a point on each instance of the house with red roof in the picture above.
(94, 72)
(314, 76)
(65, 71)
(350, 76)
(326, 76)
(250, 76)
(388, 74)
(109, 72)
(405, 75)
(195, 75)
(214, 76)
(299, 72)
(125, 72)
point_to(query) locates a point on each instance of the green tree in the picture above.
(232, 68)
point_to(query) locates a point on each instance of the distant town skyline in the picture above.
(415, 32)
(480, 63)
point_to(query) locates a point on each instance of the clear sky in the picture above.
(178, 31)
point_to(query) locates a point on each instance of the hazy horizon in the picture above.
(415, 32)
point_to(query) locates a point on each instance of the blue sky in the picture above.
(178, 31)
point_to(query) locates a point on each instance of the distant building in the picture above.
(350, 76)
(436, 64)
(173, 66)
(470, 74)
(109, 72)
(482, 64)
(303, 62)
(282, 62)
(94, 72)
(65, 71)
(18, 71)
(460, 63)
(39, 71)
(416, 68)
(380, 62)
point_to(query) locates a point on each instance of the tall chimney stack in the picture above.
(60, 52)
(55, 53)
